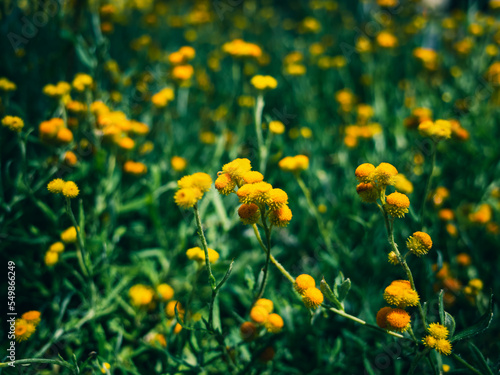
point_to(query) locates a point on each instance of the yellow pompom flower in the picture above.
(57, 247)
(178, 163)
(249, 213)
(165, 291)
(202, 181)
(381, 318)
(438, 331)
(294, 163)
(264, 82)
(82, 81)
(402, 184)
(393, 258)
(401, 296)
(443, 346)
(364, 172)
(265, 303)
(438, 130)
(105, 367)
(429, 341)
(70, 189)
(170, 309)
(259, 314)
(69, 235)
(224, 184)
(135, 168)
(237, 168)
(33, 317)
(23, 330)
(397, 204)
(252, 177)
(385, 174)
(188, 197)
(281, 217)
(367, 192)
(276, 127)
(304, 282)
(56, 186)
(274, 323)
(14, 123)
(312, 298)
(277, 198)
(419, 243)
(198, 254)
(141, 295)
(398, 320)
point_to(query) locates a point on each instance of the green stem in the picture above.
(81, 255)
(267, 231)
(211, 279)
(273, 259)
(428, 186)
(30, 361)
(466, 364)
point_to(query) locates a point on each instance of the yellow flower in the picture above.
(224, 184)
(276, 127)
(163, 97)
(57, 247)
(165, 291)
(397, 204)
(281, 216)
(312, 298)
(386, 40)
(70, 189)
(69, 235)
(32, 317)
(438, 130)
(401, 295)
(182, 72)
(367, 192)
(249, 213)
(304, 282)
(170, 309)
(178, 163)
(443, 346)
(126, 143)
(6, 85)
(294, 163)
(135, 168)
(385, 174)
(23, 330)
(429, 341)
(252, 177)
(82, 81)
(277, 198)
(141, 295)
(364, 172)
(187, 197)
(198, 254)
(14, 123)
(274, 323)
(393, 258)
(259, 314)
(264, 82)
(382, 316)
(402, 184)
(56, 186)
(438, 331)
(265, 303)
(237, 168)
(419, 243)
(105, 366)
(398, 320)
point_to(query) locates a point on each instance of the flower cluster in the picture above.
(438, 130)
(261, 316)
(163, 97)
(294, 164)
(14, 123)
(26, 325)
(438, 339)
(257, 197)
(305, 285)
(373, 183)
(241, 49)
(197, 254)
(419, 243)
(264, 82)
(54, 131)
(68, 188)
(191, 189)
(401, 295)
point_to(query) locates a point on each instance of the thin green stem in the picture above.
(428, 186)
(273, 259)
(81, 254)
(259, 107)
(30, 361)
(267, 231)
(466, 364)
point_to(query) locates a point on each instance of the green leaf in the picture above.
(441, 307)
(344, 289)
(480, 360)
(330, 296)
(449, 322)
(482, 324)
(249, 277)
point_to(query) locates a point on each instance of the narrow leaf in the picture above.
(482, 324)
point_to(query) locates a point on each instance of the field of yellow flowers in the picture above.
(249, 187)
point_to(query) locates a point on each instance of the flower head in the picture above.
(56, 186)
(419, 243)
(401, 295)
(249, 213)
(32, 317)
(165, 292)
(443, 346)
(237, 168)
(281, 216)
(187, 197)
(225, 184)
(265, 303)
(312, 298)
(393, 258)
(264, 82)
(252, 177)
(385, 174)
(69, 235)
(277, 198)
(276, 127)
(303, 282)
(438, 130)
(198, 254)
(438, 331)
(367, 192)
(382, 316)
(259, 314)
(23, 330)
(14, 123)
(364, 172)
(397, 204)
(274, 323)
(70, 189)
(248, 331)
(141, 295)
(398, 320)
